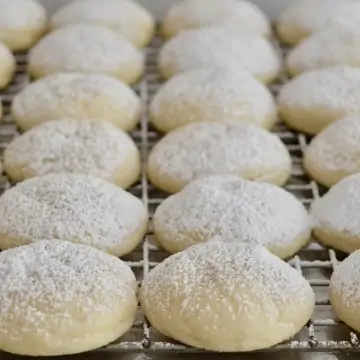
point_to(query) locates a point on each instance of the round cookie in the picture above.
(329, 47)
(235, 210)
(219, 46)
(212, 94)
(86, 49)
(192, 14)
(201, 149)
(22, 23)
(306, 17)
(226, 297)
(335, 152)
(78, 96)
(77, 208)
(334, 215)
(343, 290)
(126, 17)
(7, 66)
(92, 147)
(315, 99)
(60, 298)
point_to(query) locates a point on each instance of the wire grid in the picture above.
(323, 333)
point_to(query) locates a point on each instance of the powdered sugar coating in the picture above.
(335, 152)
(347, 17)
(319, 97)
(219, 46)
(88, 49)
(345, 281)
(216, 289)
(190, 14)
(93, 147)
(41, 283)
(236, 210)
(344, 290)
(22, 23)
(201, 149)
(76, 95)
(307, 17)
(21, 14)
(334, 212)
(337, 207)
(212, 94)
(126, 17)
(333, 87)
(73, 207)
(329, 47)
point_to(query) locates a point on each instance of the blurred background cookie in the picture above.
(192, 14)
(127, 17)
(22, 23)
(86, 49)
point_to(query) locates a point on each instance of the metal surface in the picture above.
(324, 333)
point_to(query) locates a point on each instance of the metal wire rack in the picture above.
(323, 333)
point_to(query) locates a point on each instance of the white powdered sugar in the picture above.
(345, 282)
(337, 148)
(78, 208)
(200, 268)
(220, 148)
(309, 16)
(219, 46)
(21, 15)
(212, 288)
(189, 14)
(212, 94)
(346, 17)
(83, 48)
(336, 88)
(235, 210)
(73, 95)
(329, 47)
(42, 282)
(344, 290)
(126, 17)
(110, 12)
(336, 210)
(94, 147)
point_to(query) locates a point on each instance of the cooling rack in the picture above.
(324, 333)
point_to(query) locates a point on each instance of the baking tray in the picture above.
(323, 334)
